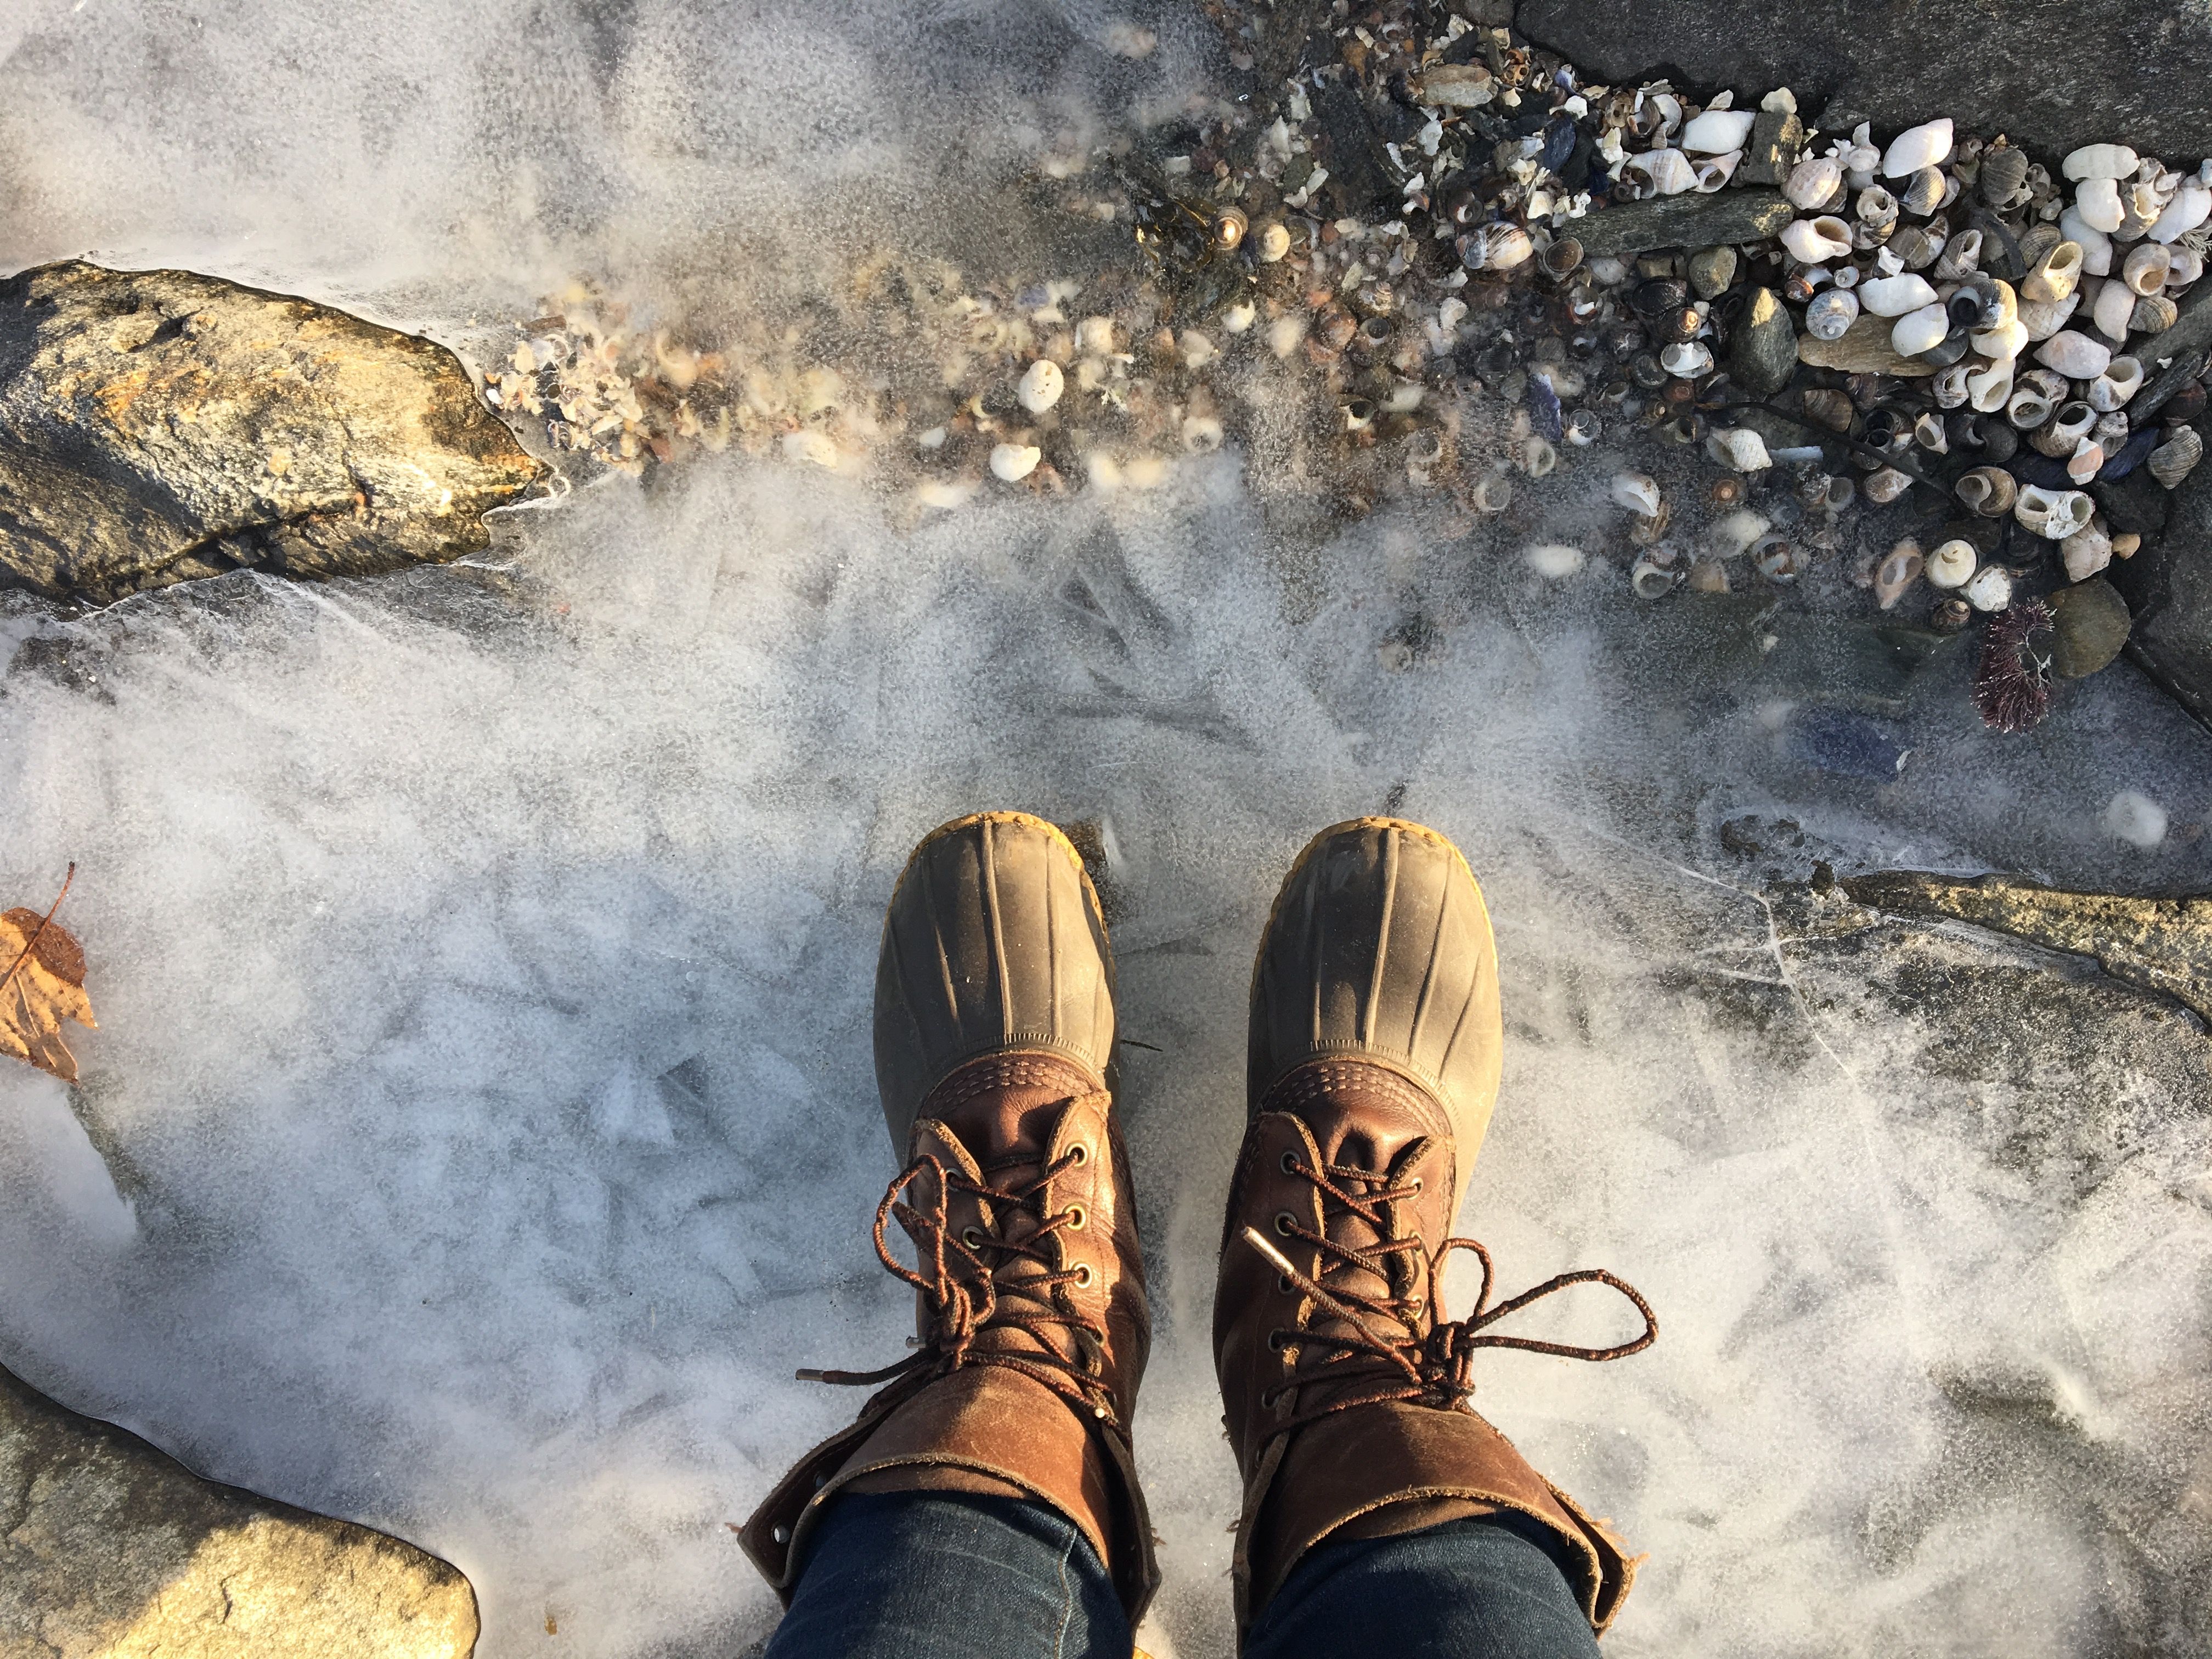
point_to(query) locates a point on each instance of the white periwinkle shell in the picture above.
(1925, 146)
(2054, 514)
(1952, 564)
(2076, 356)
(1739, 448)
(1637, 491)
(2099, 161)
(1812, 182)
(1893, 296)
(2191, 206)
(1014, 462)
(1815, 241)
(1718, 132)
(1041, 387)
(1990, 590)
(2122, 379)
(1920, 331)
(2099, 202)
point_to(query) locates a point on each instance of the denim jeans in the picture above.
(939, 1575)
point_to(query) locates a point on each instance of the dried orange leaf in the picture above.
(41, 985)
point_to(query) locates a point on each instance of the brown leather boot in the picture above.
(1374, 1064)
(994, 1046)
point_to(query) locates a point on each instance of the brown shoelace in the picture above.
(961, 1279)
(1383, 1353)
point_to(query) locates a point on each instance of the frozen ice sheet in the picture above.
(481, 1128)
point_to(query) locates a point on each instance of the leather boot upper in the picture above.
(1376, 1049)
(994, 1040)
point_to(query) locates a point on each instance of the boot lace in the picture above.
(1384, 1351)
(965, 1282)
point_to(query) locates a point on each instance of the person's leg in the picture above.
(994, 1060)
(1373, 1496)
(946, 1576)
(1487, 1588)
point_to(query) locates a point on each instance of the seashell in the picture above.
(1729, 536)
(2003, 175)
(2036, 241)
(1845, 276)
(1876, 206)
(2174, 460)
(1925, 146)
(1040, 388)
(1898, 571)
(1776, 558)
(1886, 484)
(1991, 589)
(2063, 432)
(2076, 356)
(2111, 430)
(2099, 161)
(2086, 551)
(1561, 256)
(1537, 457)
(2185, 404)
(2097, 200)
(2000, 443)
(1812, 182)
(1951, 349)
(1981, 302)
(1830, 407)
(1950, 615)
(2001, 344)
(2043, 318)
(2096, 246)
(1273, 242)
(1656, 296)
(1740, 448)
(1928, 433)
(1925, 193)
(2154, 314)
(1718, 132)
(1686, 360)
(1867, 239)
(2053, 276)
(1893, 296)
(1949, 386)
(1831, 313)
(1816, 241)
(1493, 494)
(1226, 233)
(2029, 408)
(1495, 247)
(1990, 389)
(1962, 256)
(2122, 379)
(1014, 462)
(1653, 575)
(1583, 427)
(1920, 331)
(2086, 461)
(1674, 327)
(1637, 491)
(2054, 514)
(2146, 266)
(1988, 490)
(2188, 264)
(2191, 206)
(1953, 563)
(1669, 171)
(1917, 245)
(1457, 86)
(2114, 304)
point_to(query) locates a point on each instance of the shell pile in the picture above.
(1423, 257)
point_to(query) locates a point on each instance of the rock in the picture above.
(113, 1551)
(1863, 349)
(1359, 168)
(157, 426)
(1687, 220)
(1990, 64)
(2163, 945)
(1776, 139)
(2168, 587)
(1712, 271)
(2089, 624)
(1763, 350)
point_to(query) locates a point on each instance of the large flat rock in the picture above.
(110, 1550)
(2053, 73)
(2168, 587)
(158, 426)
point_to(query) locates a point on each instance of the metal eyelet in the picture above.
(1416, 1183)
(1077, 1218)
(1284, 1222)
(971, 1238)
(1083, 1275)
(1079, 1155)
(1278, 1340)
(1290, 1164)
(1282, 1284)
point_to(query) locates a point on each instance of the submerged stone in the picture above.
(2089, 624)
(159, 426)
(1685, 221)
